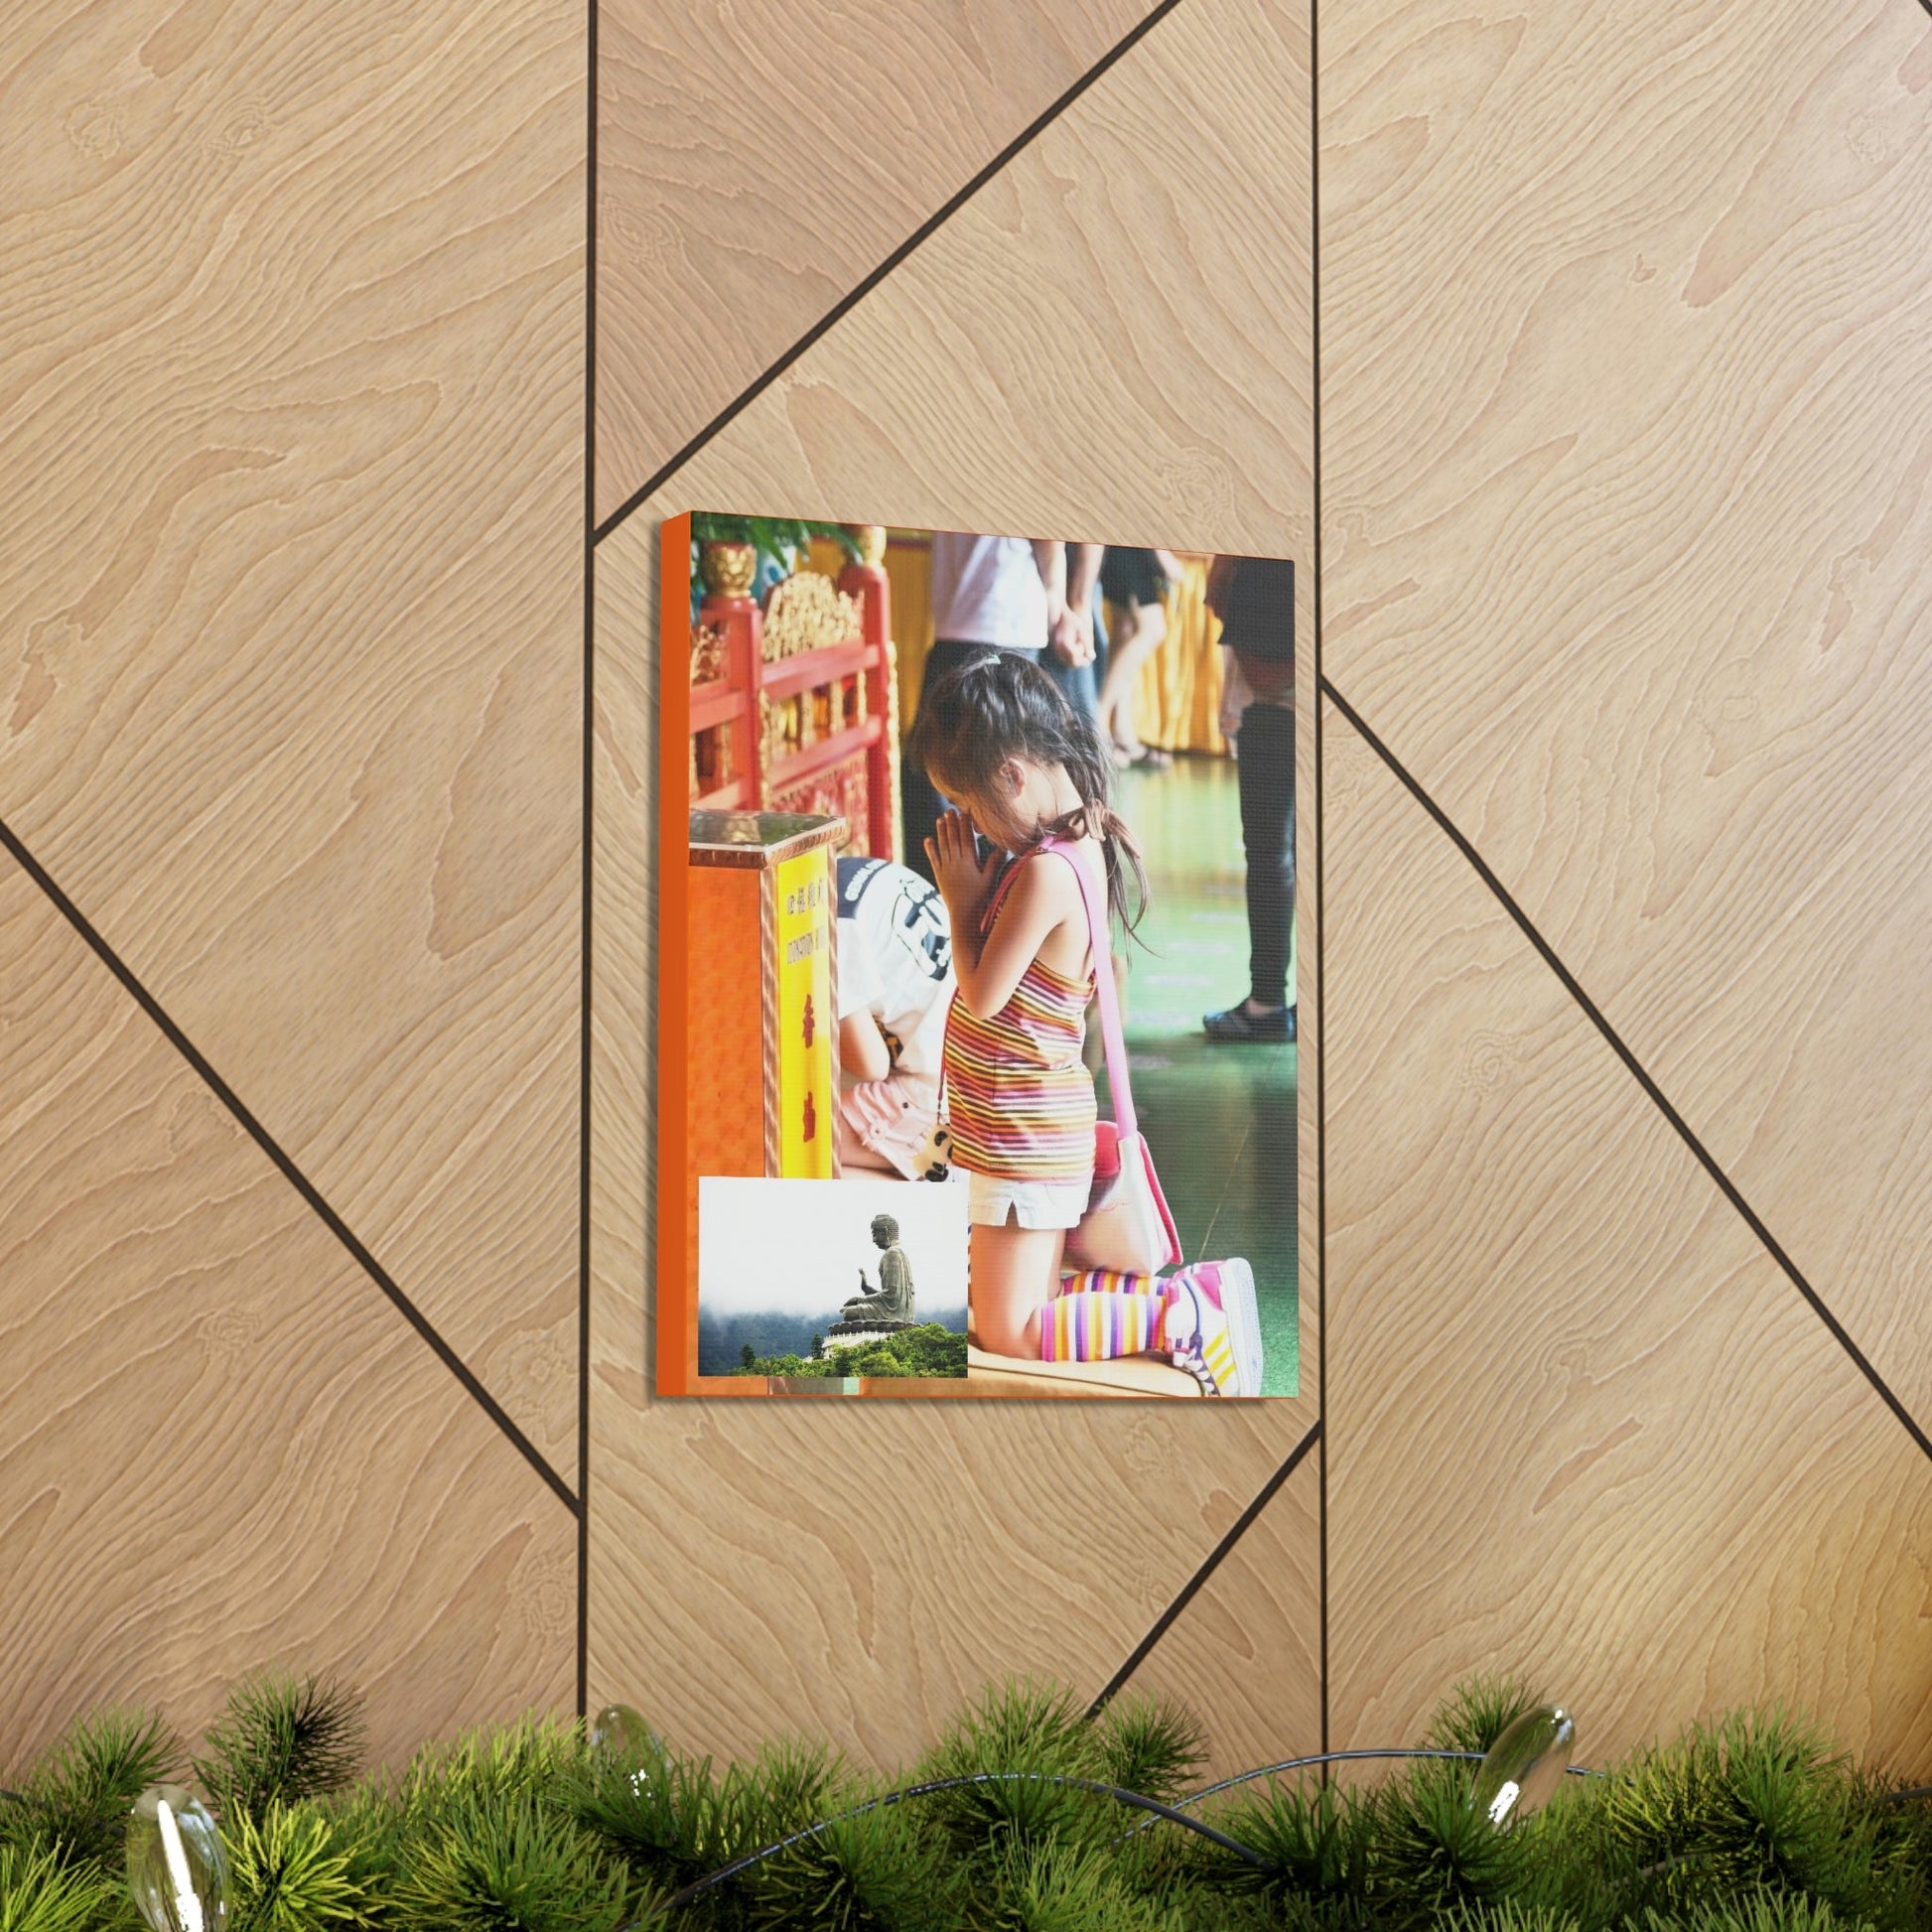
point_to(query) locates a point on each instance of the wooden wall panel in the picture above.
(1629, 491)
(1114, 330)
(1578, 1424)
(856, 1569)
(291, 346)
(756, 162)
(1245, 1652)
(1627, 502)
(221, 1446)
(1167, 400)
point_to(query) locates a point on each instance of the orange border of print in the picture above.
(677, 1335)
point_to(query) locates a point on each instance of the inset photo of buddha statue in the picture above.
(812, 1287)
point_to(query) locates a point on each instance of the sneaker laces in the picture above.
(1187, 1351)
(1192, 1361)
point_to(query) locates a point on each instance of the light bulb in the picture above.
(176, 1866)
(1524, 1766)
(627, 1743)
(621, 1735)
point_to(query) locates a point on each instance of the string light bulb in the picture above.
(1524, 1766)
(622, 1741)
(176, 1868)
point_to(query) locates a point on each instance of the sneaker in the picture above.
(1213, 1327)
(1237, 1023)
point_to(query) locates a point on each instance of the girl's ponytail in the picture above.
(1120, 854)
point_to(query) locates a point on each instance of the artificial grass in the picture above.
(1750, 1825)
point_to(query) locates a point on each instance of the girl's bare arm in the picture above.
(1039, 901)
(863, 1051)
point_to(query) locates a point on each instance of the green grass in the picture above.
(1754, 1823)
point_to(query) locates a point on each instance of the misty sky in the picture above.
(795, 1247)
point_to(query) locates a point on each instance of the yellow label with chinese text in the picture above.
(807, 1020)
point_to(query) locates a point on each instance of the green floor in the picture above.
(1220, 1118)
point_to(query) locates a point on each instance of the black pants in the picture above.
(1267, 766)
(919, 804)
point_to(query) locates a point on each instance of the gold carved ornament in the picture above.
(707, 654)
(807, 612)
(728, 569)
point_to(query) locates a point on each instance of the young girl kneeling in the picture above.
(999, 740)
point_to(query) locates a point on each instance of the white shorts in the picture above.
(989, 1203)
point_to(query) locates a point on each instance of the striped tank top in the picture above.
(1019, 1097)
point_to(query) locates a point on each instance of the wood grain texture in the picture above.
(1580, 1426)
(748, 1571)
(1171, 402)
(220, 1448)
(758, 161)
(291, 484)
(1628, 340)
(1168, 398)
(1246, 1651)
(728, 1571)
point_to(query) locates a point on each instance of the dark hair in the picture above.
(1001, 706)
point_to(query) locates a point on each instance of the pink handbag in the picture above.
(1127, 1225)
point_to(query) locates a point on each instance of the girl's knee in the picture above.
(1011, 1332)
(1015, 1270)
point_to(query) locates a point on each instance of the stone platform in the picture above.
(854, 1334)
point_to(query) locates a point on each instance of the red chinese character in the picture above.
(811, 1025)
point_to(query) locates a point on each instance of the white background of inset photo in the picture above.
(795, 1247)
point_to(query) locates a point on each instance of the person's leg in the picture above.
(1013, 1272)
(1076, 682)
(1265, 773)
(1267, 782)
(1119, 643)
(1100, 1328)
(1139, 630)
(890, 1126)
(1021, 1307)
(853, 1154)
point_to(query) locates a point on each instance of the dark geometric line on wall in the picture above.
(1212, 1561)
(849, 300)
(293, 1175)
(1320, 918)
(590, 789)
(1685, 1131)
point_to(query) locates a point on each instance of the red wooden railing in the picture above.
(815, 731)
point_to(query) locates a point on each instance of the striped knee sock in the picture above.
(1083, 1326)
(1108, 1280)
(1204, 1276)
(1111, 1280)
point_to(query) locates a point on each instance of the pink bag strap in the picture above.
(1104, 990)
